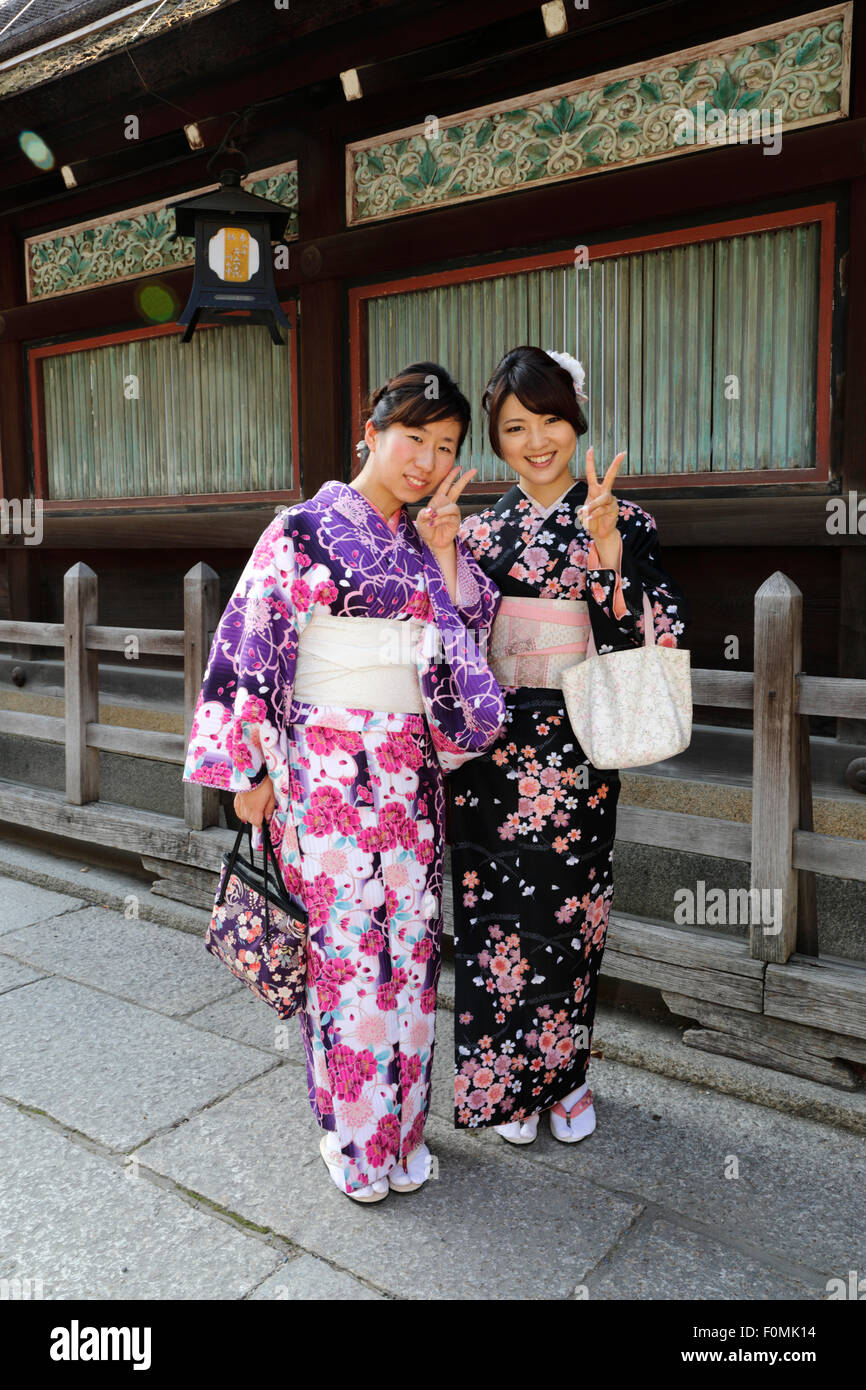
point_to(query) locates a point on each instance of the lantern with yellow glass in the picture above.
(234, 270)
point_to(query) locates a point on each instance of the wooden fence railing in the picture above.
(781, 846)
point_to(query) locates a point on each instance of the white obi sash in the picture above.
(533, 640)
(360, 663)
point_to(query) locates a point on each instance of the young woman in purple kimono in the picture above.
(533, 822)
(345, 675)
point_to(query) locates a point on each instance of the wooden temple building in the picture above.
(674, 193)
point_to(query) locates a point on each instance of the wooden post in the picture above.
(200, 617)
(851, 281)
(22, 562)
(776, 765)
(807, 900)
(81, 676)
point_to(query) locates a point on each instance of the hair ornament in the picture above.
(574, 369)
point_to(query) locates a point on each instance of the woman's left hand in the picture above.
(600, 510)
(438, 523)
(257, 804)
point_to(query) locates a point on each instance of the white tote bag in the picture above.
(632, 707)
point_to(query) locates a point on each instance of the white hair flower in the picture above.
(360, 446)
(574, 369)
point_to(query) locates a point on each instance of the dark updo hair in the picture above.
(539, 383)
(405, 400)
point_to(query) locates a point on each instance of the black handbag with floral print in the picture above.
(259, 929)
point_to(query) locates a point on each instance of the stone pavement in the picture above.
(156, 1142)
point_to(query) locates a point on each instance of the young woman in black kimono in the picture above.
(533, 822)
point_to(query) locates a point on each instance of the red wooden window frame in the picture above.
(36, 357)
(822, 213)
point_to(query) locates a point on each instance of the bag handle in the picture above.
(649, 635)
(233, 854)
(267, 846)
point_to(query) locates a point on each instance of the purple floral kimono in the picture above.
(363, 789)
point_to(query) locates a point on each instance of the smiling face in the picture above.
(538, 447)
(408, 462)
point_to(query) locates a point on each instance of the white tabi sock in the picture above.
(582, 1124)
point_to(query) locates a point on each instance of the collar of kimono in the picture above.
(354, 505)
(545, 512)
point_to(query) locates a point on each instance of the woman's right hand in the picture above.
(256, 804)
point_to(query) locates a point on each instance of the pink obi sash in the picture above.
(533, 640)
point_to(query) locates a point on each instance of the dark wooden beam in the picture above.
(684, 188)
(322, 336)
(691, 523)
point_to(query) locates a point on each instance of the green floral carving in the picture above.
(570, 133)
(124, 248)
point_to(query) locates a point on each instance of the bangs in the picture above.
(541, 385)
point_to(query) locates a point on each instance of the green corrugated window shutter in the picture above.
(699, 358)
(155, 417)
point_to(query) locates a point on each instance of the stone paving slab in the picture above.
(307, 1277)
(21, 904)
(248, 1019)
(13, 974)
(656, 1260)
(78, 1222)
(489, 1226)
(99, 884)
(800, 1187)
(113, 1070)
(132, 959)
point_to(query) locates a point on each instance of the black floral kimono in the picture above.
(532, 821)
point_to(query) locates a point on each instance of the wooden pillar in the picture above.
(323, 347)
(852, 558)
(201, 613)
(81, 679)
(776, 766)
(21, 561)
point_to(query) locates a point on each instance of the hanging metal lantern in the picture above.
(234, 267)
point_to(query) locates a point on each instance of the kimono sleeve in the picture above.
(464, 705)
(242, 709)
(615, 597)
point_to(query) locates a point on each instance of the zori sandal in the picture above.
(562, 1125)
(377, 1190)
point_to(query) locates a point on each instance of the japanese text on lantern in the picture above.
(237, 254)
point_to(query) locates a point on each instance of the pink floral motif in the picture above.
(331, 974)
(329, 812)
(348, 1070)
(418, 606)
(410, 1070)
(372, 942)
(385, 1142)
(301, 595)
(237, 749)
(422, 950)
(415, 1135)
(323, 1100)
(325, 593)
(399, 751)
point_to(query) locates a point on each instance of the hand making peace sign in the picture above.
(438, 523)
(600, 510)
